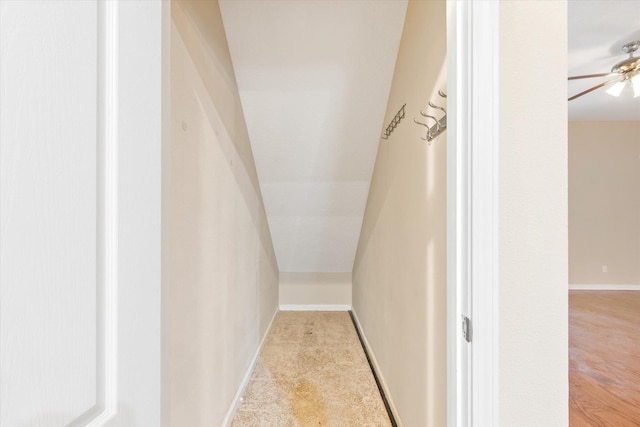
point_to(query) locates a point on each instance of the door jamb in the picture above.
(472, 212)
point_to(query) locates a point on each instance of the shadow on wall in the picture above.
(399, 275)
(405, 144)
(224, 275)
(202, 34)
(205, 41)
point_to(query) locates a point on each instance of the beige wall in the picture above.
(604, 203)
(399, 276)
(533, 355)
(224, 276)
(315, 289)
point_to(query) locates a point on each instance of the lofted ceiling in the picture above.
(314, 77)
(597, 31)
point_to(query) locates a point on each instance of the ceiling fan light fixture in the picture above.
(635, 82)
(616, 89)
(624, 71)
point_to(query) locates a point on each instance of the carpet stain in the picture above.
(308, 406)
(312, 372)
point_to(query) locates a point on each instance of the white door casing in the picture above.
(82, 85)
(472, 212)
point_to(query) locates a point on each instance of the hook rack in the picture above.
(394, 122)
(439, 126)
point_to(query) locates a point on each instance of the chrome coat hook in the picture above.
(440, 124)
(428, 138)
(432, 105)
(437, 125)
(420, 123)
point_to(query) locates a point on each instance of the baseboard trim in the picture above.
(226, 421)
(376, 368)
(604, 287)
(314, 307)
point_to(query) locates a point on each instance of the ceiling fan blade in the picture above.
(617, 79)
(589, 76)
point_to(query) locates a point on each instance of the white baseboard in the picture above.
(314, 307)
(247, 376)
(604, 287)
(376, 368)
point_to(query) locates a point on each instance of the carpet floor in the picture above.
(312, 371)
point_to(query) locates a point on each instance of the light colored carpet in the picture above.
(312, 372)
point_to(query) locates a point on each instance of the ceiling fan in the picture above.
(623, 72)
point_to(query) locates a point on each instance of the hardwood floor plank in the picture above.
(604, 358)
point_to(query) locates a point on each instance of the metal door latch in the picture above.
(466, 328)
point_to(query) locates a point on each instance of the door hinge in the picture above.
(467, 331)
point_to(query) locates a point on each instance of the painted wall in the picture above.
(604, 203)
(399, 275)
(533, 354)
(224, 276)
(315, 289)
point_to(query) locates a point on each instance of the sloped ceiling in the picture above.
(597, 31)
(314, 77)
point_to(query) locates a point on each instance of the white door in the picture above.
(81, 90)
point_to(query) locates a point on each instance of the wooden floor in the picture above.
(604, 358)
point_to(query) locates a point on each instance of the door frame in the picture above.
(134, 163)
(472, 212)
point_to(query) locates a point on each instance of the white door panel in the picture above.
(48, 218)
(80, 213)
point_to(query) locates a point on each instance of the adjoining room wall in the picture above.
(224, 275)
(604, 203)
(399, 275)
(533, 298)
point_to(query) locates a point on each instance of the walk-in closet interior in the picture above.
(308, 172)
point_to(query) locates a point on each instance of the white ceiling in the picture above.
(314, 77)
(597, 31)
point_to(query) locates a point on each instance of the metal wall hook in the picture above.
(394, 122)
(432, 118)
(429, 134)
(428, 138)
(432, 105)
(420, 123)
(440, 124)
